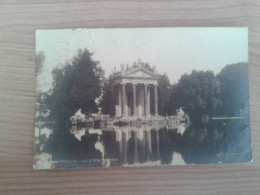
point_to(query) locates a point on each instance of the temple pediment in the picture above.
(140, 72)
(137, 75)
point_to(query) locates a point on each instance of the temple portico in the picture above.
(135, 92)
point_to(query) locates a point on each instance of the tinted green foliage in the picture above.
(233, 79)
(203, 93)
(77, 84)
(197, 93)
(164, 92)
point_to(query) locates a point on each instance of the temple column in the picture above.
(148, 145)
(145, 99)
(155, 100)
(135, 147)
(157, 144)
(113, 103)
(134, 99)
(124, 146)
(118, 106)
(148, 101)
(123, 100)
(120, 146)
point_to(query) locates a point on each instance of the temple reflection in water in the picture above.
(136, 144)
(77, 146)
(126, 145)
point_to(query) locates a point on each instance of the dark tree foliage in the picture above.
(203, 93)
(233, 79)
(197, 93)
(164, 92)
(62, 145)
(107, 98)
(39, 61)
(77, 84)
(41, 107)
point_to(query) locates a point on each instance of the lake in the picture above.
(80, 146)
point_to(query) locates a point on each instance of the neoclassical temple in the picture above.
(135, 92)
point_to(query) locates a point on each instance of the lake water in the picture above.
(79, 146)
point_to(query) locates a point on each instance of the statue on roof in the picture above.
(122, 67)
(138, 64)
(127, 67)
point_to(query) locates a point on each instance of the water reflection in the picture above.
(222, 141)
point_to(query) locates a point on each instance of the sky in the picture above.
(174, 51)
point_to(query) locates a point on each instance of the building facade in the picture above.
(135, 92)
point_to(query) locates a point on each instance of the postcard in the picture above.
(141, 97)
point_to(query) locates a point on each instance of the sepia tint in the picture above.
(141, 97)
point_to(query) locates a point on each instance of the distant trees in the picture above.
(233, 80)
(203, 93)
(76, 84)
(197, 93)
(164, 92)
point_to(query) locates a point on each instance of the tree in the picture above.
(39, 61)
(197, 93)
(233, 79)
(164, 92)
(76, 84)
(41, 109)
(107, 98)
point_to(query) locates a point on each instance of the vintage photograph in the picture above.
(141, 97)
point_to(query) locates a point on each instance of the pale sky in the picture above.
(174, 51)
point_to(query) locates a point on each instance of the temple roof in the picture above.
(137, 71)
(136, 74)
